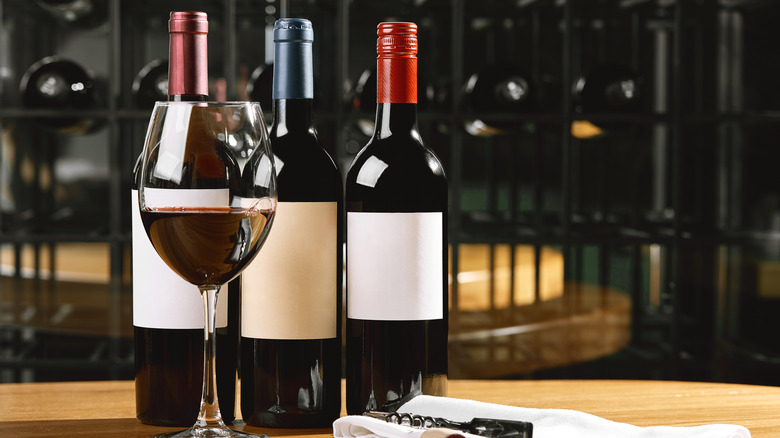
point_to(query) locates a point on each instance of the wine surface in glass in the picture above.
(206, 245)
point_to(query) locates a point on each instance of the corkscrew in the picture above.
(485, 427)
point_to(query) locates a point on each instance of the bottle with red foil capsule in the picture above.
(167, 316)
(396, 203)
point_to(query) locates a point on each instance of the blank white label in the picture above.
(187, 198)
(162, 299)
(289, 289)
(394, 266)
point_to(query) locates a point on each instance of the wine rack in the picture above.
(642, 244)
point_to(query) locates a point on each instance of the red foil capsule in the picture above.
(396, 62)
(188, 56)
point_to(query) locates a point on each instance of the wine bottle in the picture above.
(608, 89)
(167, 311)
(291, 293)
(151, 84)
(55, 83)
(396, 203)
(501, 88)
(259, 86)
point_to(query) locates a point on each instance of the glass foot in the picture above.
(209, 432)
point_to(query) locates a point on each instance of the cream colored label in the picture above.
(289, 290)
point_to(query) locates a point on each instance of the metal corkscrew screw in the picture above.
(485, 427)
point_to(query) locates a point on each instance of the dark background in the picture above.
(675, 206)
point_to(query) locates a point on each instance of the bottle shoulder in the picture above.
(305, 170)
(396, 176)
(302, 149)
(401, 154)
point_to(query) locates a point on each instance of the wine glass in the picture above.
(207, 197)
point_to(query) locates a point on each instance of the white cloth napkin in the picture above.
(548, 423)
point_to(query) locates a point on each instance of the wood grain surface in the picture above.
(107, 409)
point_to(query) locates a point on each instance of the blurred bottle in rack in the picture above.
(502, 90)
(260, 84)
(609, 90)
(55, 83)
(83, 14)
(151, 84)
(259, 87)
(362, 98)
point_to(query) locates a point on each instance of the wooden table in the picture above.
(106, 409)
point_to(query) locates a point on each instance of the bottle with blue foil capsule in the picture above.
(291, 293)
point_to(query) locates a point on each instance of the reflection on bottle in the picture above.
(607, 89)
(55, 83)
(502, 88)
(310, 398)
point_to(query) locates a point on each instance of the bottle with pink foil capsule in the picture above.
(167, 316)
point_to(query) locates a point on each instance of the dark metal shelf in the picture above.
(695, 137)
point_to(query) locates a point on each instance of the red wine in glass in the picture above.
(206, 245)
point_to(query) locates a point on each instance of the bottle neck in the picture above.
(188, 64)
(293, 72)
(395, 119)
(293, 86)
(293, 62)
(292, 115)
(396, 63)
(396, 82)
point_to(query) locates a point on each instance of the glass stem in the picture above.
(209, 415)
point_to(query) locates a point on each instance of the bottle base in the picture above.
(292, 421)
